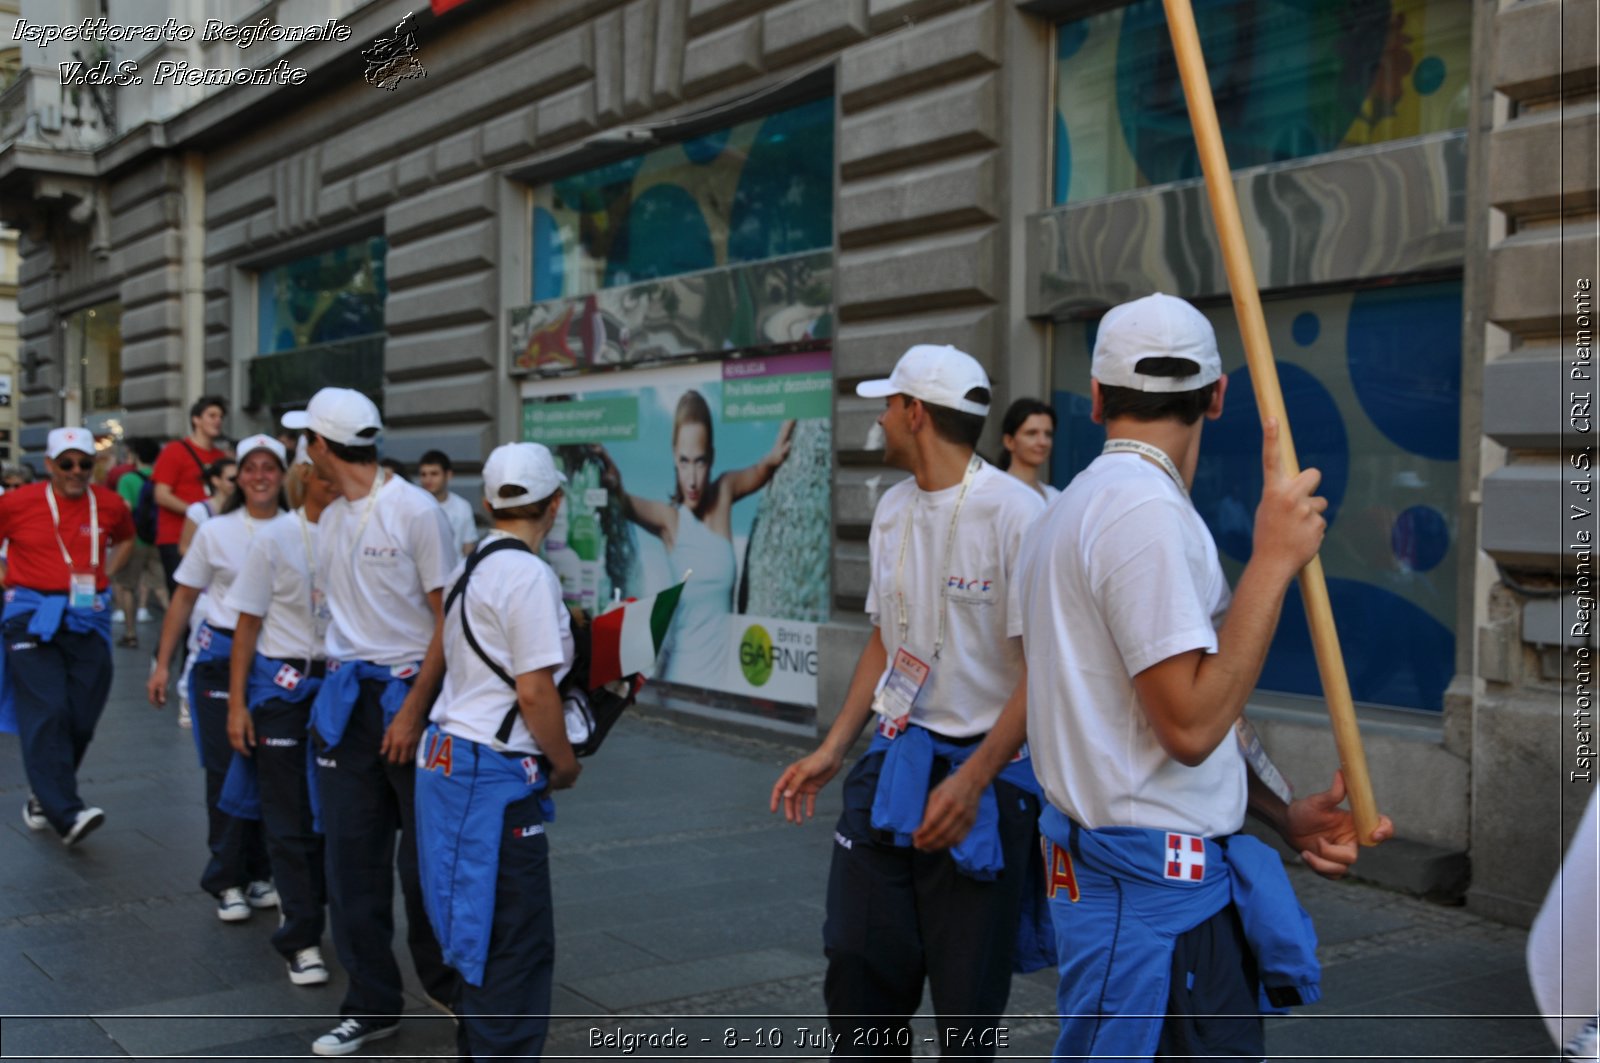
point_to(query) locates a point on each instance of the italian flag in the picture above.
(627, 640)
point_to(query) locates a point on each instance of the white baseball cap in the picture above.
(339, 415)
(529, 466)
(261, 442)
(1157, 326)
(62, 440)
(937, 374)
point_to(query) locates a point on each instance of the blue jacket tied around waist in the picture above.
(336, 700)
(901, 799)
(241, 790)
(1116, 930)
(463, 789)
(49, 612)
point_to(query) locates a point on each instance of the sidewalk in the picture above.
(677, 894)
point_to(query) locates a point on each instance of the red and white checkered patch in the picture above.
(202, 638)
(288, 677)
(1186, 858)
(892, 729)
(530, 770)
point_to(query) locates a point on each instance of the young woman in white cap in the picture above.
(222, 480)
(67, 538)
(279, 661)
(495, 747)
(238, 873)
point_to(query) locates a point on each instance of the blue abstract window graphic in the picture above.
(1372, 382)
(336, 294)
(754, 191)
(1291, 79)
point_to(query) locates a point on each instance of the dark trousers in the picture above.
(60, 687)
(238, 848)
(170, 559)
(293, 844)
(365, 800)
(509, 1015)
(897, 916)
(1212, 1006)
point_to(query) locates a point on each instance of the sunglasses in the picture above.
(75, 464)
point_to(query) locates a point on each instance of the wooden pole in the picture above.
(1269, 398)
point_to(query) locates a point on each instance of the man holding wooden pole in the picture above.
(1135, 701)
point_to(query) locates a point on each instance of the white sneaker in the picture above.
(306, 967)
(118, 616)
(87, 821)
(33, 814)
(262, 895)
(142, 616)
(232, 907)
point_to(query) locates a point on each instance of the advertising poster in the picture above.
(717, 469)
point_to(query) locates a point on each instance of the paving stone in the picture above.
(71, 1038)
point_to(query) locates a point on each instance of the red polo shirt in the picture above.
(34, 559)
(179, 468)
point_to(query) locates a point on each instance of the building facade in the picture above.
(660, 232)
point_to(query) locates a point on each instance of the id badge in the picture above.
(898, 692)
(80, 593)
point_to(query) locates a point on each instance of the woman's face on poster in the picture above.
(691, 455)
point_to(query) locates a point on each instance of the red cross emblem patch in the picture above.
(892, 729)
(1186, 858)
(530, 770)
(287, 678)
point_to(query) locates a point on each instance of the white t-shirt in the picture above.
(382, 555)
(980, 665)
(275, 584)
(459, 512)
(1121, 574)
(216, 554)
(199, 512)
(514, 606)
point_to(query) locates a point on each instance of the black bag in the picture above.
(600, 709)
(144, 509)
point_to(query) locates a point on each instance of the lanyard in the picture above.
(904, 620)
(1155, 454)
(94, 528)
(372, 503)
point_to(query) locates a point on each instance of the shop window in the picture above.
(94, 356)
(1290, 80)
(319, 323)
(1372, 383)
(754, 191)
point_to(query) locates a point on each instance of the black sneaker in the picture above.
(33, 814)
(351, 1034)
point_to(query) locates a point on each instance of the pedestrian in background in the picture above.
(142, 575)
(386, 550)
(68, 537)
(179, 476)
(238, 872)
(395, 469)
(1027, 436)
(434, 473)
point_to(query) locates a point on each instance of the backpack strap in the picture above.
(460, 591)
(202, 466)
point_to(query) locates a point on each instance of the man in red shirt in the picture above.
(68, 537)
(179, 476)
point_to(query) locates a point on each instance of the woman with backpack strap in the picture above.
(482, 803)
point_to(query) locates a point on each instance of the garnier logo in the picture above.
(755, 655)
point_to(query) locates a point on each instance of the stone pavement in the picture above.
(682, 907)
